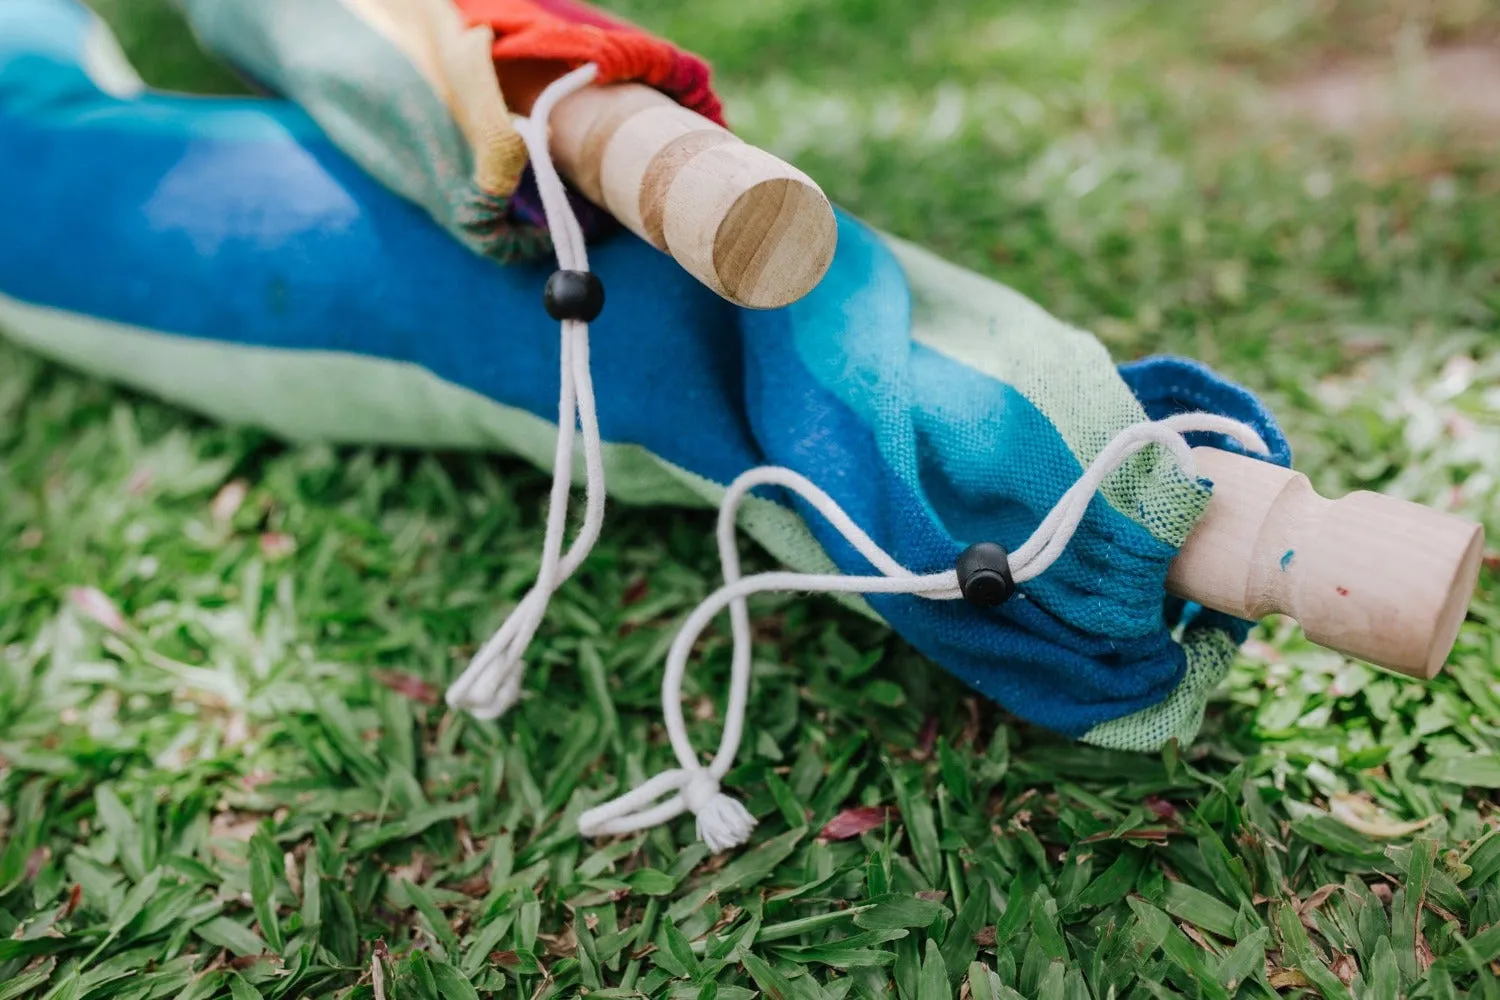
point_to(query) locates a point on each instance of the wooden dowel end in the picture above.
(756, 230)
(1380, 579)
(1370, 576)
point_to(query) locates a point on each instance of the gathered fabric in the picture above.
(722, 822)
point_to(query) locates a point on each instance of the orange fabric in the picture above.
(529, 35)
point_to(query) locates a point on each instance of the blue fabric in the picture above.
(1168, 386)
(904, 470)
(237, 221)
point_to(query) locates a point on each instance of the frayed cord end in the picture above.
(488, 688)
(723, 823)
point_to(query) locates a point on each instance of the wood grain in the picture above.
(754, 229)
(1380, 579)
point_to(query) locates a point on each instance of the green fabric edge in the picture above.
(1062, 371)
(999, 332)
(327, 396)
(1210, 653)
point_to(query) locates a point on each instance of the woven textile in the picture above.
(411, 90)
(243, 262)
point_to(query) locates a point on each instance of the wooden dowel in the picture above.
(754, 229)
(1376, 578)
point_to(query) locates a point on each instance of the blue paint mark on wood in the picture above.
(1286, 559)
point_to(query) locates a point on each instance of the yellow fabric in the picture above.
(456, 60)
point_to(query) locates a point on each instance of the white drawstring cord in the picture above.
(722, 822)
(492, 682)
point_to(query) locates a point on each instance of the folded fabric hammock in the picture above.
(294, 266)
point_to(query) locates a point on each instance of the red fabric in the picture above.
(582, 13)
(570, 32)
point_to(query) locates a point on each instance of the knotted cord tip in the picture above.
(591, 823)
(497, 706)
(502, 697)
(723, 822)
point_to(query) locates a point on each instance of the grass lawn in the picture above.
(224, 766)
